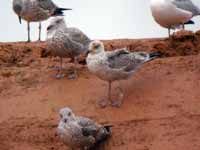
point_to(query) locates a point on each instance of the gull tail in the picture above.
(190, 22)
(102, 137)
(108, 128)
(59, 11)
(154, 55)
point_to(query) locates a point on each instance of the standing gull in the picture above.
(173, 13)
(36, 11)
(79, 132)
(115, 65)
(63, 41)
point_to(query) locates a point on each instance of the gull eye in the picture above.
(49, 27)
(96, 46)
(58, 21)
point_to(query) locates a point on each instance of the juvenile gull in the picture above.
(36, 11)
(115, 65)
(79, 132)
(173, 13)
(63, 41)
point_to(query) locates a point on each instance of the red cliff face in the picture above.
(160, 109)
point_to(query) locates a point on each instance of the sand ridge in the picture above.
(160, 111)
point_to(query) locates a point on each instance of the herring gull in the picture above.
(36, 11)
(115, 66)
(80, 132)
(171, 14)
(66, 41)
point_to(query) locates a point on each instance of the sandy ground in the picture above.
(160, 110)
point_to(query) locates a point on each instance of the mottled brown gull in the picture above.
(66, 41)
(80, 132)
(36, 11)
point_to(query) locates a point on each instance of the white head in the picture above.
(66, 115)
(55, 24)
(96, 47)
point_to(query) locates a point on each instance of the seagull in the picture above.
(66, 41)
(36, 11)
(115, 65)
(171, 14)
(80, 132)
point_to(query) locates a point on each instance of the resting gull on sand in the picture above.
(173, 13)
(63, 41)
(115, 65)
(79, 132)
(36, 11)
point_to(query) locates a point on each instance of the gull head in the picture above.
(66, 115)
(96, 47)
(55, 24)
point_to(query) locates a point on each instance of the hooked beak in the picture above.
(60, 15)
(20, 19)
(65, 120)
(86, 53)
(66, 9)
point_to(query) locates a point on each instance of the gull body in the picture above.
(115, 65)
(80, 132)
(63, 41)
(36, 11)
(173, 13)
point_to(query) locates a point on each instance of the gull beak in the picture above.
(20, 19)
(87, 52)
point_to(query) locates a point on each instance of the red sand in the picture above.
(160, 111)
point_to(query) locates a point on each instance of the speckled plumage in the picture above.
(115, 65)
(66, 42)
(80, 132)
(36, 11)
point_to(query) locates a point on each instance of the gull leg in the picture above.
(104, 103)
(109, 90)
(183, 26)
(28, 28)
(118, 102)
(169, 32)
(74, 75)
(59, 74)
(40, 28)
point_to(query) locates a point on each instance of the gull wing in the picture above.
(127, 61)
(89, 127)
(71, 46)
(78, 36)
(47, 5)
(187, 5)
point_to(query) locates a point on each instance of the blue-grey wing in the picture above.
(187, 5)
